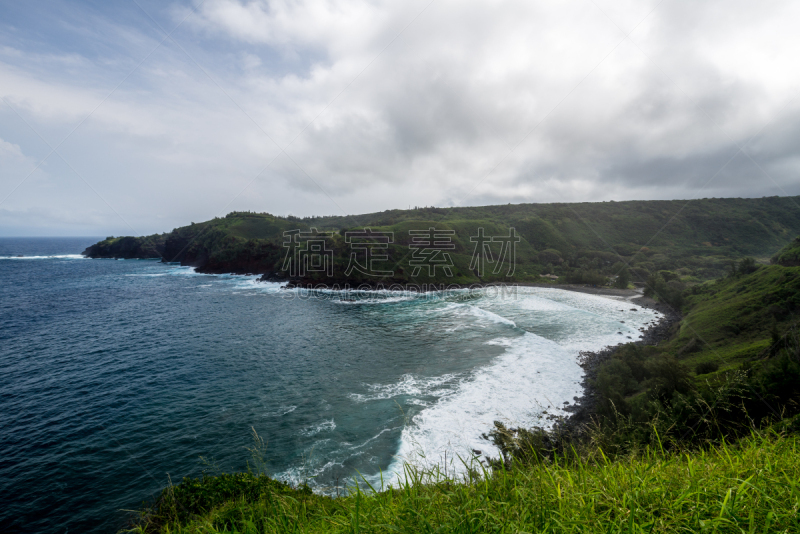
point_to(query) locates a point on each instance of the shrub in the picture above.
(623, 279)
(550, 255)
(198, 496)
(615, 378)
(747, 266)
(668, 291)
(692, 346)
(704, 368)
(667, 376)
(581, 276)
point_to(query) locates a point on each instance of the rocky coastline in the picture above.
(585, 406)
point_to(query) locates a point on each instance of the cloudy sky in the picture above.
(134, 117)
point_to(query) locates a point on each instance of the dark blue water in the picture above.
(115, 375)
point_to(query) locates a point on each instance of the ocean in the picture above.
(118, 376)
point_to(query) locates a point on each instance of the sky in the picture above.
(136, 117)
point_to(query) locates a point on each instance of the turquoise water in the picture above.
(119, 374)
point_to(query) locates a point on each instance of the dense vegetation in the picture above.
(697, 434)
(790, 255)
(585, 243)
(748, 487)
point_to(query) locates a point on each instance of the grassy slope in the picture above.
(789, 255)
(698, 236)
(732, 363)
(732, 318)
(750, 487)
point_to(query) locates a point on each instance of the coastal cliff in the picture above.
(581, 243)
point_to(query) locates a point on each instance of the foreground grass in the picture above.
(748, 487)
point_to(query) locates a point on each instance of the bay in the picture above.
(117, 376)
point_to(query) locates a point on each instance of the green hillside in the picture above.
(789, 256)
(749, 487)
(580, 242)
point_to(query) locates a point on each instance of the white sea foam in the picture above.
(583, 321)
(384, 300)
(407, 385)
(268, 287)
(248, 283)
(361, 296)
(324, 426)
(356, 296)
(370, 440)
(305, 473)
(533, 375)
(346, 453)
(185, 271)
(282, 410)
(485, 314)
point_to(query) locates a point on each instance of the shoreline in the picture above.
(582, 410)
(633, 296)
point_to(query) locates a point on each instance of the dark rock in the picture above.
(584, 409)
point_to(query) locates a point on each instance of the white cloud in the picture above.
(9, 151)
(386, 104)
